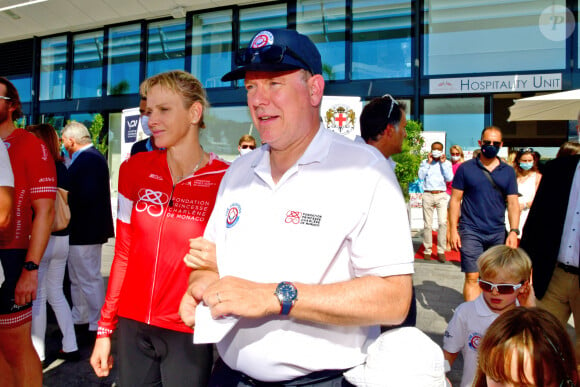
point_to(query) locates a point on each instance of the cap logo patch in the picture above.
(263, 38)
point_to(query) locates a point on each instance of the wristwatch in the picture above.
(516, 230)
(29, 265)
(287, 295)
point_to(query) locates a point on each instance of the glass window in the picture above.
(211, 47)
(114, 155)
(124, 50)
(56, 120)
(84, 118)
(224, 127)
(462, 119)
(166, 49)
(479, 36)
(53, 53)
(381, 44)
(88, 65)
(254, 20)
(325, 23)
(23, 84)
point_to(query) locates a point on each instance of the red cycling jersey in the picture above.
(34, 178)
(155, 221)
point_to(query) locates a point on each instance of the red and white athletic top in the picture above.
(34, 178)
(155, 221)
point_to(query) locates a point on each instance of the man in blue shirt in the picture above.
(436, 171)
(482, 223)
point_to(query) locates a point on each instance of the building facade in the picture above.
(458, 64)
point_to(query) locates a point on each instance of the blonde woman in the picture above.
(456, 157)
(165, 198)
(528, 176)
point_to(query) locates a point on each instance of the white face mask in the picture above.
(436, 154)
(455, 158)
(245, 151)
(145, 125)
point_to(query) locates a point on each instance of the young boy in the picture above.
(504, 278)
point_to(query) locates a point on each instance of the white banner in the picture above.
(496, 84)
(131, 131)
(341, 115)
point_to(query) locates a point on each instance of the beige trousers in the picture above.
(439, 202)
(563, 298)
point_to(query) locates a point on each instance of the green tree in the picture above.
(100, 138)
(409, 160)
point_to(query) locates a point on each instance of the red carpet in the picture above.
(452, 256)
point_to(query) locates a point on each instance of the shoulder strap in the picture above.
(488, 176)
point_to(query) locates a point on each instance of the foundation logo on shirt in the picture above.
(340, 119)
(151, 201)
(474, 339)
(233, 215)
(297, 217)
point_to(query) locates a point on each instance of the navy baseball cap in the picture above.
(277, 50)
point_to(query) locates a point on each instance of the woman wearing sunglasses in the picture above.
(504, 278)
(526, 347)
(528, 177)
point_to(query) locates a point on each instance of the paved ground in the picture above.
(438, 287)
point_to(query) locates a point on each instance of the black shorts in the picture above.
(154, 356)
(12, 315)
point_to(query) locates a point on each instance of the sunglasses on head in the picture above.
(246, 146)
(501, 288)
(393, 103)
(271, 54)
(494, 143)
(526, 150)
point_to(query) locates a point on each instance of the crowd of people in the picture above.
(266, 253)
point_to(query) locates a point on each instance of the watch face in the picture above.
(286, 291)
(30, 265)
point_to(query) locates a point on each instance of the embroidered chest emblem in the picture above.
(297, 217)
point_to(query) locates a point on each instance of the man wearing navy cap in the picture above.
(335, 256)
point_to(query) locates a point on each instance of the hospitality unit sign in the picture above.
(496, 84)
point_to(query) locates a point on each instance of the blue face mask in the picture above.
(489, 151)
(526, 166)
(145, 125)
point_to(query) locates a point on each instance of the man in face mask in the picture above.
(147, 144)
(435, 171)
(246, 144)
(482, 187)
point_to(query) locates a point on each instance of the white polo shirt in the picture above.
(337, 214)
(464, 333)
(6, 176)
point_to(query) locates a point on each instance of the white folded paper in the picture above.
(210, 330)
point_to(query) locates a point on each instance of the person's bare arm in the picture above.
(513, 210)
(361, 301)
(43, 209)
(450, 357)
(6, 208)
(454, 209)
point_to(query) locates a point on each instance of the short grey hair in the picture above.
(78, 132)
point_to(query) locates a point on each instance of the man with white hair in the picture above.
(91, 223)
